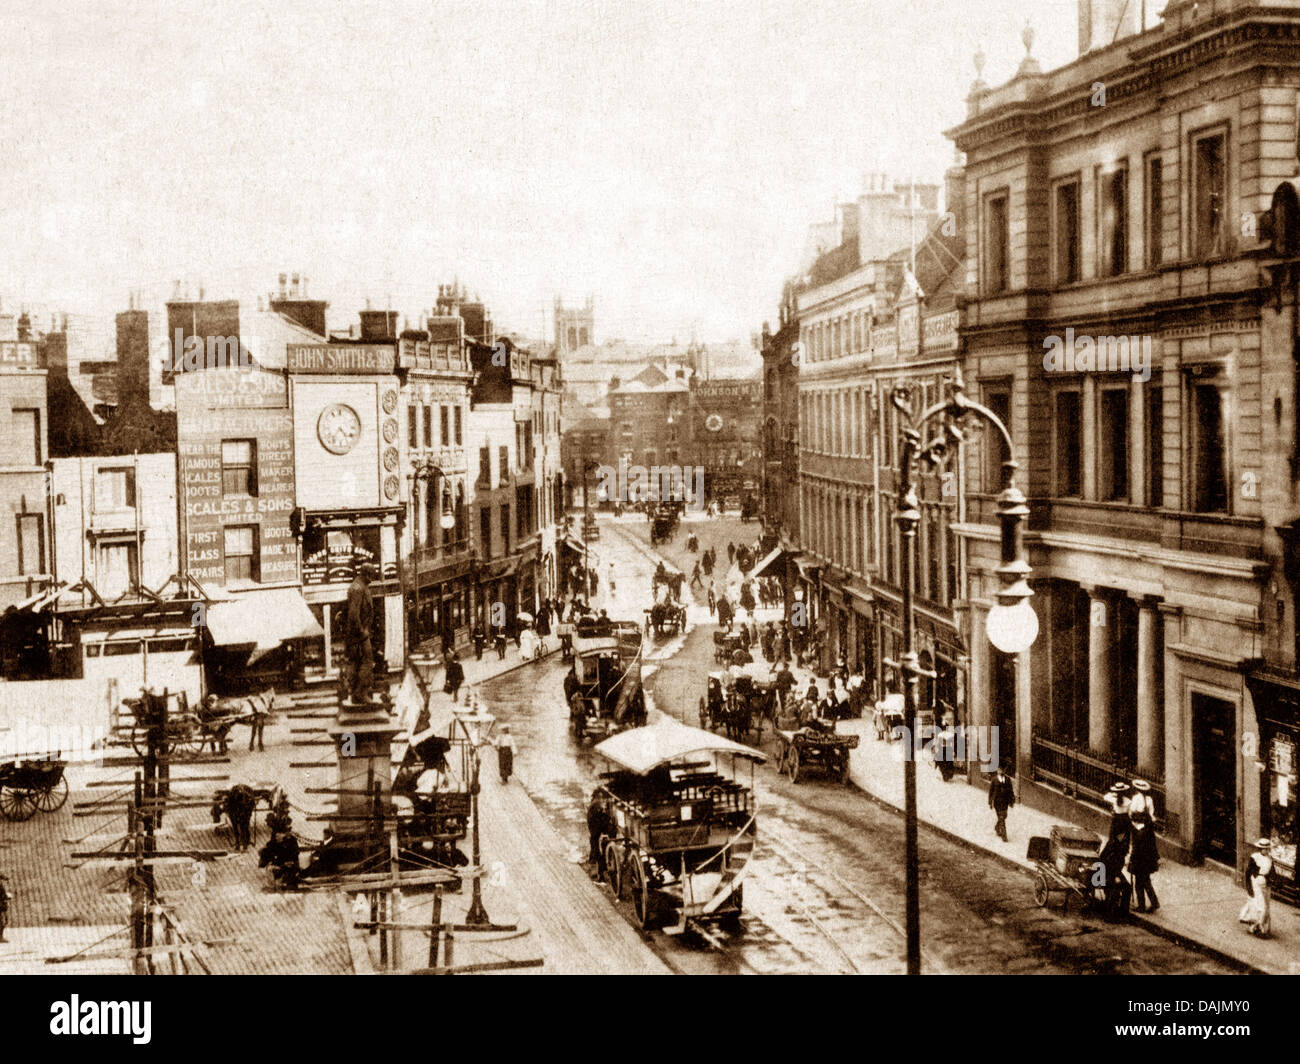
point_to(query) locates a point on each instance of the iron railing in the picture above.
(1082, 773)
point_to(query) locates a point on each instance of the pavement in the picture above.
(1198, 905)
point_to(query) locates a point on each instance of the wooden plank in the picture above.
(469, 969)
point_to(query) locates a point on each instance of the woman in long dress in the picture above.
(1257, 912)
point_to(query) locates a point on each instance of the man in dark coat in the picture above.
(1117, 886)
(359, 630)
(1002, 796)
(597, 825)
(455, 677)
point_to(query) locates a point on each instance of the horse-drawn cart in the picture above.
(680, 833)
(1066, 863)
(31, 785)
(815, 748)
(665, 619)
(603, 691)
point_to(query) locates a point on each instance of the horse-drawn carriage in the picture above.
(726, 645)
(186, 730)
(680, 833)
(741, 710)
(603, 690)
(30, 785)
(814, 746)
(1067, 863)
(664, 521)
(665, 619)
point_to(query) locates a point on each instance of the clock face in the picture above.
(339, 428)
(713, 422)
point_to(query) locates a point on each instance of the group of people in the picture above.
(1130, 846)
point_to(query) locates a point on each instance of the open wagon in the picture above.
(30, 785)
(814, 748)
(680, 832)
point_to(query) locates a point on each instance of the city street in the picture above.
(827, 891)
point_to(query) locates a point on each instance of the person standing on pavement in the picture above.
(505, 753)
(695, 575)
(713, 599)
(1257, 912)
(1140, 803)
(597, 825)
(499, 644)
(480, 641)
(1143, 860)
(1002, 796)
(455, 677)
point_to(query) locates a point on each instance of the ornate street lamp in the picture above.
(1012, 624)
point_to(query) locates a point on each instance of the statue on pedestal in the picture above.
(358, 673)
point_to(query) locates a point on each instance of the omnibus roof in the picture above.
(641, 749)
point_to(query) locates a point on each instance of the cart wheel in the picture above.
(52, 798)
(1040, 889)
(613, 870)
(640, 889)
(191, 744)
(792, 764)
(16, 804)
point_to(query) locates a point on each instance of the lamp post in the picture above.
(477, 726)
(1012, 624)
(428, 472)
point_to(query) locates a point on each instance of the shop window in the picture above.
(241, 552)
(114, 489)
(116, 571)
(239, 467)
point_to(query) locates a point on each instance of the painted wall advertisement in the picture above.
(247, 409)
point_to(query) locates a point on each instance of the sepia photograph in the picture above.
(665, 487)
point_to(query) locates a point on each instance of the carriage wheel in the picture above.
(51, 798)
(640, 889)
(1040, 889)
(613, 870)
(189, 743)
(792, 764)
(17, 804)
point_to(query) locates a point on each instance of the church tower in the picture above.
(574, 326)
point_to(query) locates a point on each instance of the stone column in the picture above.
(1150, 700)
(1101, 620)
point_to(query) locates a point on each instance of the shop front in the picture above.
(441, 607)
(939, 651)
(1277, 706)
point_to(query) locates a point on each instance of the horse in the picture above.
(237, 804)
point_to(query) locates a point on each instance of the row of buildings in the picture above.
(431, 454)
(1115, 275)
(667, 405)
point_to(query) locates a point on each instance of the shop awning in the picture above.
(263, 619)
(774, 560)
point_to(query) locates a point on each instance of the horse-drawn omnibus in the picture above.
(680, 832)
(603, 690)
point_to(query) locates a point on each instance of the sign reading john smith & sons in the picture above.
(341, 358)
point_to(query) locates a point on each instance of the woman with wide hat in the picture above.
(1257, 912)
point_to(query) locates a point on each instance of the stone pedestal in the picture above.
(363, 737)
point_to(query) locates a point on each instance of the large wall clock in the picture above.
(713, 422)
(338, 428)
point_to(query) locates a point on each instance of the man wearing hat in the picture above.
(1002, 796)
(358, 633)
(1257, 912)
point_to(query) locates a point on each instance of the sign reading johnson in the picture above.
(341, 358)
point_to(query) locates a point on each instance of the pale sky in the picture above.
(665, 157)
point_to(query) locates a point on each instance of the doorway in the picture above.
(1216, 776)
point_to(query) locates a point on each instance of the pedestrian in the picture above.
(695, 575)
(1257, 912)
(455, 677)
(527, 644)
(706, 563)
(1118, 800)
(5, 893)
(1143, 860)
(597, 826)
(260, 708)
(713, 599)
(499, 643)
(505, 753)
(731, 553)
(1002, 796)
(1117, 886)
(767, 641)
(517, 630)
(1140, 803)
(480, 641)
